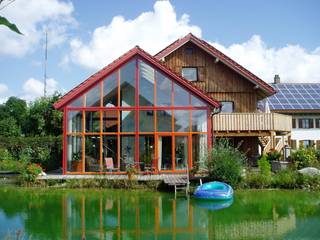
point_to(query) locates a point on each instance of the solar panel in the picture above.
(298, 96)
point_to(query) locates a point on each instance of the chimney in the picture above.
(276, 79)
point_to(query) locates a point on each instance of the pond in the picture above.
(120, 214)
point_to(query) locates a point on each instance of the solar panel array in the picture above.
(295, 96)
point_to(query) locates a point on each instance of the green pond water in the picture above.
(120, 214)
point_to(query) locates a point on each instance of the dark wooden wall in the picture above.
(217, 79)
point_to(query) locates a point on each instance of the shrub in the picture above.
(285, 179)
(264, 166)
(225, 162)
(273, 155)
(29, 173)
(257, 180)
(305, 157)
(5, 154)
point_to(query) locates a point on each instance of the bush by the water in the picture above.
(264, 166)
(225, 162)
(306, 157)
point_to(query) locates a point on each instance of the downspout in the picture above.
(214, 112)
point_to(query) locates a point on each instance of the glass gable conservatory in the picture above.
(136, 116)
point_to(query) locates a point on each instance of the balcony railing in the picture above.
(251, 122)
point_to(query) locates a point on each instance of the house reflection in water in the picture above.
(161, 217)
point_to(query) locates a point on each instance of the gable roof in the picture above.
(269, 90)
(136, 51)
(295, 97)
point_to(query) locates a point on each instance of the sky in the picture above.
(267, 37)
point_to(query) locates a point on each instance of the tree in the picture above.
(5, 22)
(42, 118)
(17, 108)
(9, 127)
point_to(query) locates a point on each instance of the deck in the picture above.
(229, 123)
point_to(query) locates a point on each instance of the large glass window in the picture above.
(110, 91)
(127, 84)
(164, 86)
(92, 153)
(110, 121)
(181, 120)
(305, 123)
(146, 84)
(127, 148)
(74, 154)
(199, 121)
(195, 102)
(110, 153)
(74, 121)
(164, 120)
(93, 122)
(146, 121)
(199, 147)
(127, 121)
(165, 152)
(181, 96)
(93, 96)
(77, 103)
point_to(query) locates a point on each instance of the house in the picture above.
(237, 89)
(302, 102)
(135, 112)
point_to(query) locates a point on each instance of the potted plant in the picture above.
(274, 158)
(76, 162)
(131, 170)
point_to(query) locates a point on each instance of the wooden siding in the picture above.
(216, 79)
(251, 122)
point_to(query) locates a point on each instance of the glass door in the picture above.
(181, 152)
(165, 152)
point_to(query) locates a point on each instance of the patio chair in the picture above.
(110, 165)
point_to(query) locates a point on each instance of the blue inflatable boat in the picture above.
(214, 191)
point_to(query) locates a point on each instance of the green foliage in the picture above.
(5, 155)
(9, 127)
(29, 173)
(45, 151)
(305, 157)
(225, 162)
(285, 179)
(11, 26)
(273, 155)
(264, 166)
(257, 180)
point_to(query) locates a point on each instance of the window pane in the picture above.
(77, 103)
(146, 84)
(189, 73)
(127, 151)
(92, 121)
(146, 152)
(93, 97)
(227, 107)
(199, 148)
(165, 152)
(164, 86)
(146, 121)
(127, 84)
(197, 102)
(199, 121)
(110, 91)
(74, 121)
(110, 153)
(164, 118)
(181, 121)
(110, 121)
(74, 154)
(181, 96)
(92, 153)
(127, 121)
(181, 152)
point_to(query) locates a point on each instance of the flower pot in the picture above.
(131, 176)
(77, 166)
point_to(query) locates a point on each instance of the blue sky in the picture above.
(268, 37)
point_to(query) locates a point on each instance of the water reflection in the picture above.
(93, 214)
(212, 205)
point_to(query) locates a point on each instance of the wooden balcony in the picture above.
(257, 124)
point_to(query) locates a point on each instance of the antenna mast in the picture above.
(45, 66)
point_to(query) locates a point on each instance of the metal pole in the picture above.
(45, 66)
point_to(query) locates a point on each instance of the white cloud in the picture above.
(32, 17)
(292, 62)
(33, 88)
(151, 30)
